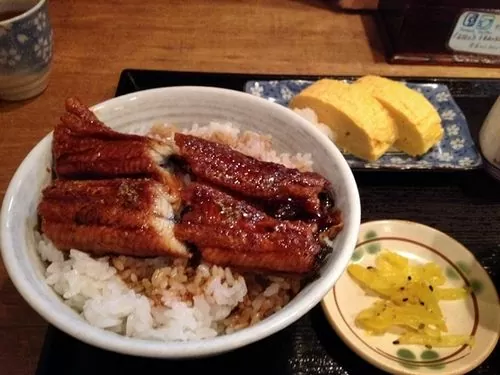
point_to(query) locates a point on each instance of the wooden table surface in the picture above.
(95, 40)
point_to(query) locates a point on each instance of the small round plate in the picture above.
(478, 315)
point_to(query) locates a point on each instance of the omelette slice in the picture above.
(418, 122)
(361, 125)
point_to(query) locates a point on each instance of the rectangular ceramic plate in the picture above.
(456, 150)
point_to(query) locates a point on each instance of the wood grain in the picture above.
(95, 40)
(358, 4)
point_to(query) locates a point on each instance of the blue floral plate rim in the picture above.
(457, 150)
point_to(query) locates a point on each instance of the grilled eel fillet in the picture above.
(119, 216)
(220, 165)
(85, 148)
(231, 232)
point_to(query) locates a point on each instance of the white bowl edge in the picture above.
(108, 340)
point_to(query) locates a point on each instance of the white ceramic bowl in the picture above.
(182, 106)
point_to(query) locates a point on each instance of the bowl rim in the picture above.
(28, 12)
(84, 331)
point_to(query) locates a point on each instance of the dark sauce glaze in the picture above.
(224, 167)
(280, 229)
(291, 209)
(328, 219)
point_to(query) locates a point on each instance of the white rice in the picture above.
(165, 299)
(93, 288)
(310, 115)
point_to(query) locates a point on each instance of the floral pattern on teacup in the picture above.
(26, 43)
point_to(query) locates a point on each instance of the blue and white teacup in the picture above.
(25, 48)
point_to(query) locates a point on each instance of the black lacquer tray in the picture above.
(464, 204)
